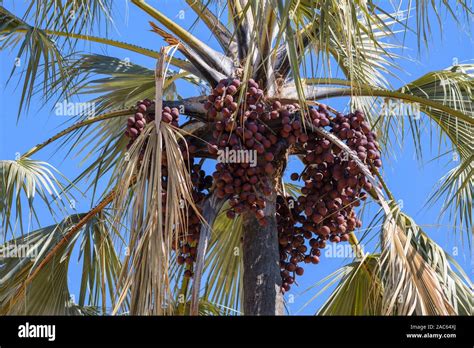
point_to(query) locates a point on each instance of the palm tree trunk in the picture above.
(261, 257)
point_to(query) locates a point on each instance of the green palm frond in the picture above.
(223, 267)
(455, 190)
(413, 275)
(359, 290)
(125, 82)
(104, 144)
(71, 15)
(453, 88)
(424, 10)
(357, 36)
(35, 49)
(205, 308)
(358, 42)
(25, 178)
(99, 251)
(292, 189)
(48, 293)
(418, 275)
(86, 132)
(119, 82)
(45, 64)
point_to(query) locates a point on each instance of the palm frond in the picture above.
(101, 264)
(355, 34)
(71, 15)
(411, 285)
(48, 292)
(364, 287)
(35, 281)
(292, 189)
(152, 233)
(210, 74)
(455, 190)
(224, 264)
(210, 210)
(415, 271)
(36, 48)
(453, 88)
(425, 9)
(222, 34)
(359, 290)
(214, 59)
(146, 271)
(120, 83)
(358, 38)
(25, 178)
(47, 69)
(454, 281)
(205, 308)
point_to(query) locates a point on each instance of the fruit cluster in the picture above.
(241, 129)
(333, 186)
(137, 122)
(291, 237)
(333, 183)
(356, 132)
(145, 114)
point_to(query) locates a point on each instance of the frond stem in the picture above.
(66, 238)
(75, 126)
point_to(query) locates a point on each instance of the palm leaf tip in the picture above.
(28, 179)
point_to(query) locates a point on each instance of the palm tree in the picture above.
(279, 44)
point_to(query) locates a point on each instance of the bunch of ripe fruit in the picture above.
(333, 184)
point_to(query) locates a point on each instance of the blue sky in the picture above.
(409, 179)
